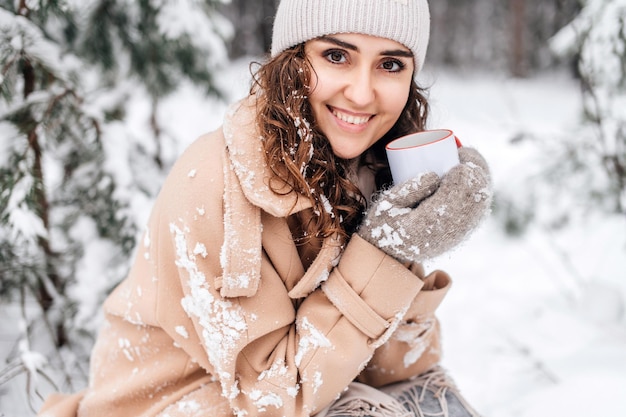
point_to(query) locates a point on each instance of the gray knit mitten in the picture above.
(427, 216)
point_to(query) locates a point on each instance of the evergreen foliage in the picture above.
(68, 182)
(583, 170)
(598, 38)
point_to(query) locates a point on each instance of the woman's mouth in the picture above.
(353, 119)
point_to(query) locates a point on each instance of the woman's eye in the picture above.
(336, 57)
(393, 66)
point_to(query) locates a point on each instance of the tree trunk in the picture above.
(43, 296)
(518, 28)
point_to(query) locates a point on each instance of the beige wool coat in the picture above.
(222, 314)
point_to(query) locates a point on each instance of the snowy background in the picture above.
(534, 326)
(535, 323)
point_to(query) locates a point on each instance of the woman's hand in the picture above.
(425, 216)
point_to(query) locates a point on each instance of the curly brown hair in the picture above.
(301, 157)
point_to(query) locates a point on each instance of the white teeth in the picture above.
(351, 119)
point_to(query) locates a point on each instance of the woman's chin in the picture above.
(348, 153)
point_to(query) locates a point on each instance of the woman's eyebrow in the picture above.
(392, 52)
(338, 42)
(398, 53)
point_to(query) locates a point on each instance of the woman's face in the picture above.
(359, 87)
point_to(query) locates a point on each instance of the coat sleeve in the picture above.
(415, 346)
(272, 355)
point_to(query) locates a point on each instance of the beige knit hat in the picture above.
(404, 21)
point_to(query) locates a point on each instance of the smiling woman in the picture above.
(281, 271)
(359, 88)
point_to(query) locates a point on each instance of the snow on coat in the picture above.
(218, 316)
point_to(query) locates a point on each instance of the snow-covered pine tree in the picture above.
(581, 172)
(598, 38)
(72, 179)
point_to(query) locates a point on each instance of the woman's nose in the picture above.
(360, 88)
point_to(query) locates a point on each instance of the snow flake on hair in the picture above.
(328, 207)
(304, 133)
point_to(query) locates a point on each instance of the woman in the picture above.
(275, 277)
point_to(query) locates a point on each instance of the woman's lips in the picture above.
(356, 119)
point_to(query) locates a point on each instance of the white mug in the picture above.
(427, 151)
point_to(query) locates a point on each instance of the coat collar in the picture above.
(246, 194)
(247, 159)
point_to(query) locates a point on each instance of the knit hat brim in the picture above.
(404, 21)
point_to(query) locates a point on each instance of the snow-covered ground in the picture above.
(533, 326)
